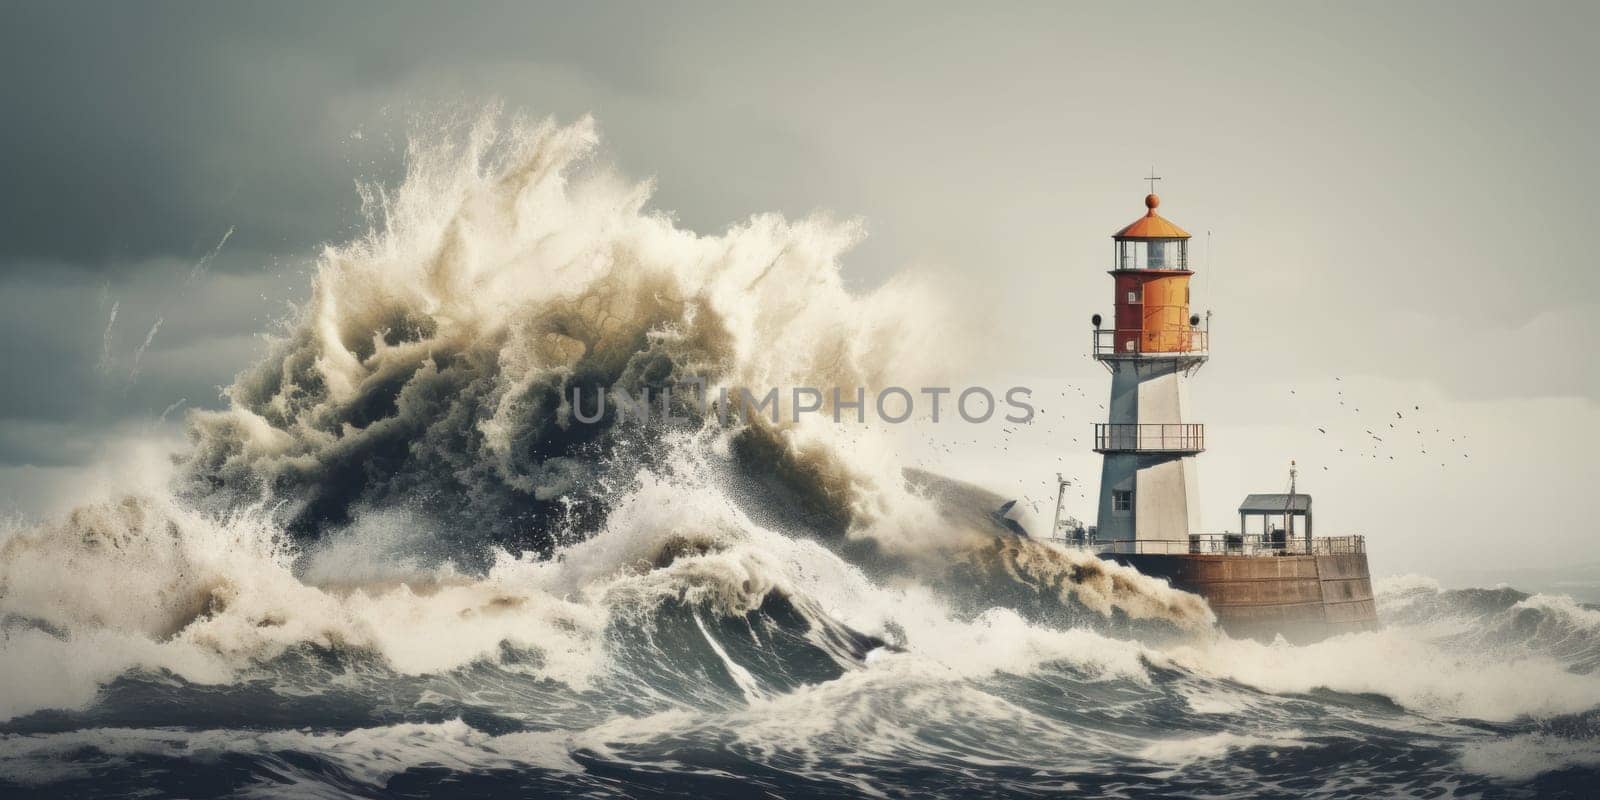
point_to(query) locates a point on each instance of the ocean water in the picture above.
(395, 566)
(750, 664)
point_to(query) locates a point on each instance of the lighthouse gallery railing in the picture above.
(1159, 342)
(1142, 437)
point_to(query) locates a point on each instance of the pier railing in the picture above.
(1140, 437)
(1236, 544)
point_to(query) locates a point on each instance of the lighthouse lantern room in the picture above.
(1148, 490)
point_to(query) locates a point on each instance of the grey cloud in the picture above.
(44, 444)
(148, 129)
(53, 331)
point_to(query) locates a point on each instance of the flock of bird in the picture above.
(1375, 445)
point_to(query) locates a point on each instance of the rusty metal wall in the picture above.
(1301, 597)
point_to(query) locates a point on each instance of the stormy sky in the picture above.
(1399, 197)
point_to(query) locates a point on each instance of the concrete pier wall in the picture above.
(1302, 597)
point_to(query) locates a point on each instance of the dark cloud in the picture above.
(140, 134)
(68, 363)
(28, 443)
(143, 130)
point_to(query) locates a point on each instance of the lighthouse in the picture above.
(1261, 585)
(1148, 482)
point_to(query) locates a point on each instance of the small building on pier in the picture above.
(1277, 513)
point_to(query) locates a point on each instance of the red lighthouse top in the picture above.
(1151, 225)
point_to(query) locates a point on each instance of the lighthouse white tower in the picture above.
(1149, 498)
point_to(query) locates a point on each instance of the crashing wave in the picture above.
(435, 364)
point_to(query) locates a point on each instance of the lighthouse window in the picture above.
(1121, 500)
(1159, 254)
(1133, 296)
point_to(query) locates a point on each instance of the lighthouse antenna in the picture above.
(1152, 179)
(1061, 495)
(1288, 509)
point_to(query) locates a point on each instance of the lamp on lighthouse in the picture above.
(1151, 269)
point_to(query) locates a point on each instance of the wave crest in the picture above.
(435, 364)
